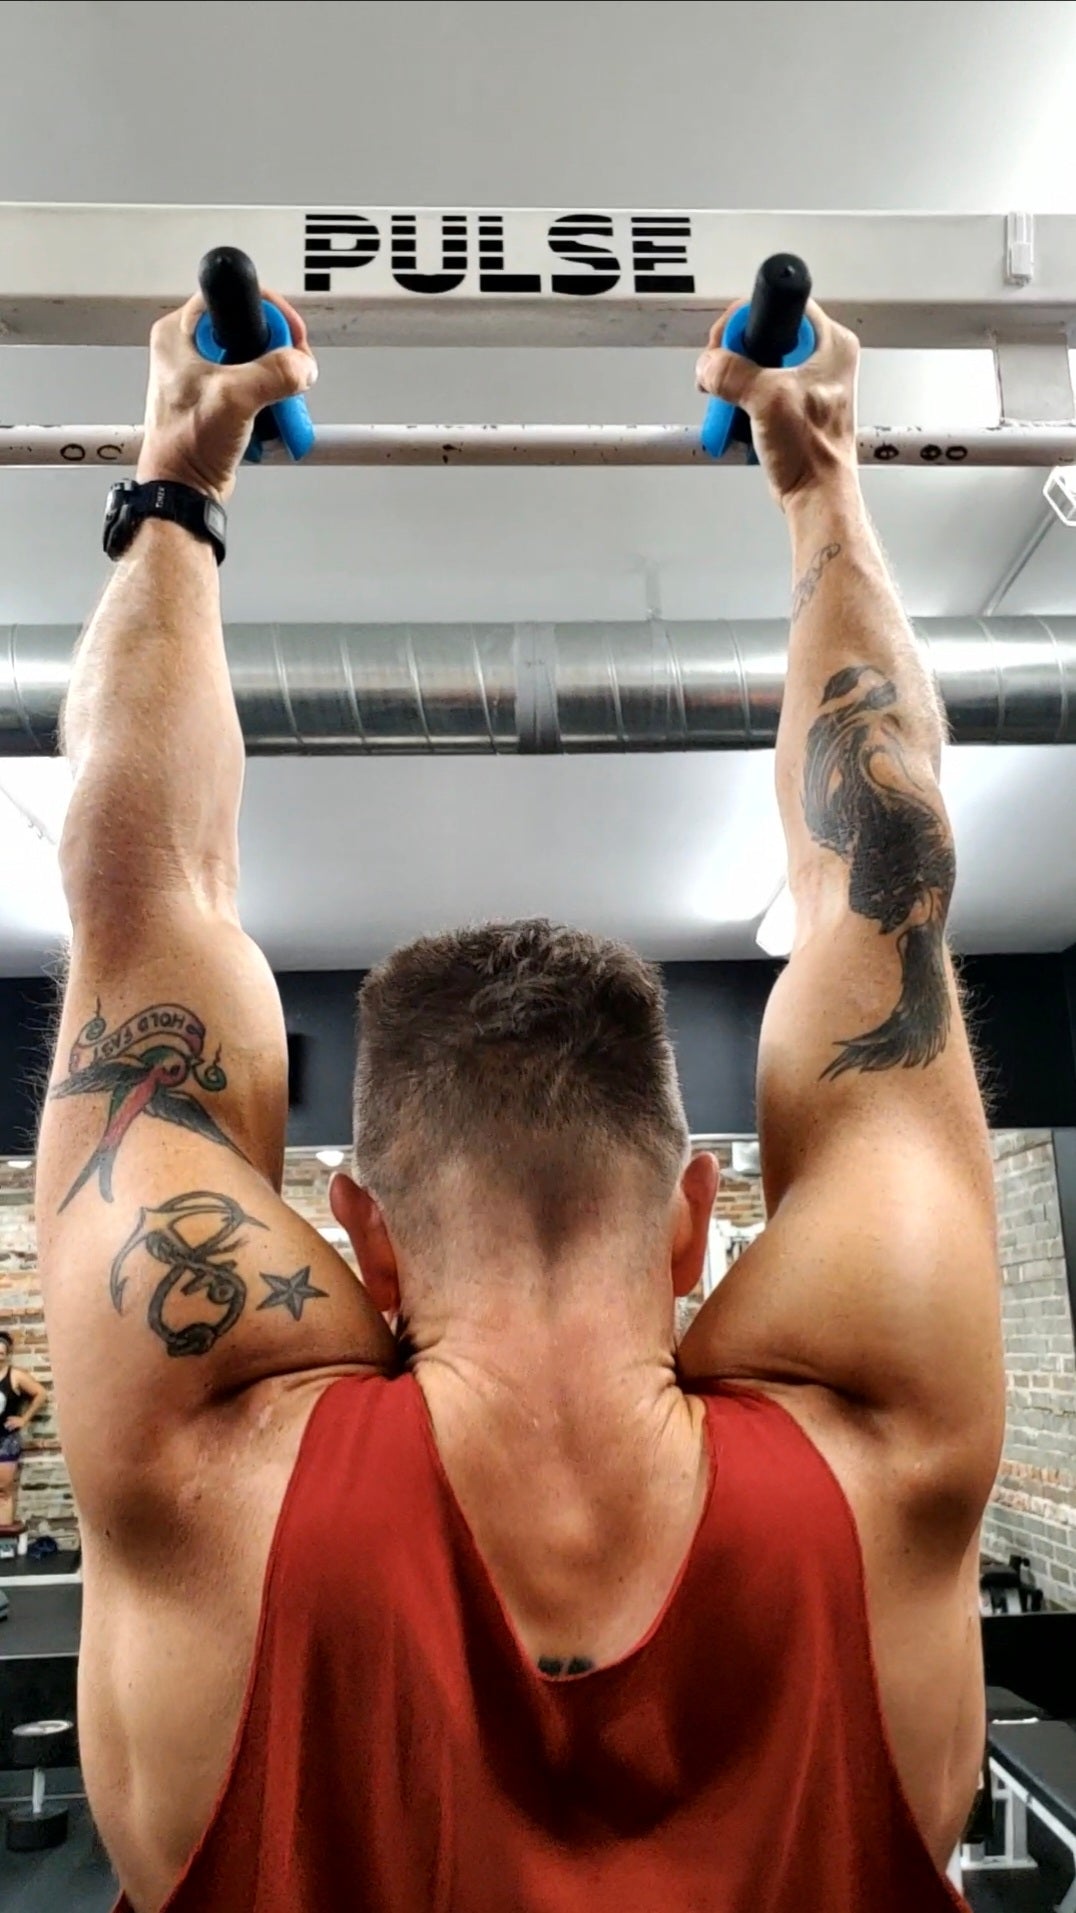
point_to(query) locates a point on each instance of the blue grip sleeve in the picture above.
(290, 416)
(717, 421)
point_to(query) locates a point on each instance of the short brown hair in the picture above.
(536, 1055)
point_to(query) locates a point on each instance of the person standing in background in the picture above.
(20, 1399)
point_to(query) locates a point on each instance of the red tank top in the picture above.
(399, 1753)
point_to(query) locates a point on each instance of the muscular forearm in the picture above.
(150, 724)
(151, 731)
(859, 743)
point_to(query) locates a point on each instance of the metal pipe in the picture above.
(119, 445)
(544, 688)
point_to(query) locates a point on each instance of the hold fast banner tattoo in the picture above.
(144, 1065)
(96, 1043)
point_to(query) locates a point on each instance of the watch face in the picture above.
(115, 512)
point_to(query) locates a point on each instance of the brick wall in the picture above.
(739, 1212)
(1033, 1509)
(739, 1197)
(44, 1491)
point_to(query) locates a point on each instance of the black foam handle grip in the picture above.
(229, 285)
(778, 303)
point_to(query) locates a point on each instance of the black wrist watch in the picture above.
(130, 504)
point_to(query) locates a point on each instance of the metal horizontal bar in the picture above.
(529, 689)
(119, 445)
(100, 275)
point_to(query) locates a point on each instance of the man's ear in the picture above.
(357, 1212)
(695, 1206)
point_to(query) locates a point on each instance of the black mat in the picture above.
(1041, 1754)
(42, 1622)
(1004, 1892)
(38, 1658)
(14, 1570)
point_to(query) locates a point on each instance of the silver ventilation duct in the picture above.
(543, 688)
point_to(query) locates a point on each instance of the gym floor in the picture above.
(1012, 1892)
(76, 1878)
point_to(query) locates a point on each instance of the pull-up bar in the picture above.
(562, 445)
(623, 278)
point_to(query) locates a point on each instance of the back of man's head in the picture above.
(534, 1059)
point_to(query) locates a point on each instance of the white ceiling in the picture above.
(562, 103)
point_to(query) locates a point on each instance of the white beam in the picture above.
(1034, 383)
(117, 446)
(99, 275)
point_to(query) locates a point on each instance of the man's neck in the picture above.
(526, 1347)
(577, 1460)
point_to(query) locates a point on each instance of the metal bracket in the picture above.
(1014, 1856)
(1035, 382)
(1019, 249)
(1059, 492)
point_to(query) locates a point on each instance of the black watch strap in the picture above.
(130, 504)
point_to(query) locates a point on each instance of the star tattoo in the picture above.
(290, 1292)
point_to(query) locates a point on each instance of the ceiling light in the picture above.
(41, 787)
(20, 1162)
(739, 889)
(30, 884)
(749, 854)
(332, 1158)
(777, 931)
(1059, 492)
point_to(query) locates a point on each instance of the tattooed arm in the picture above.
(877, 1276)
(167, 1258)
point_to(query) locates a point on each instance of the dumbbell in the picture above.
(239, 325)
(40, 1744)
(772, 330)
